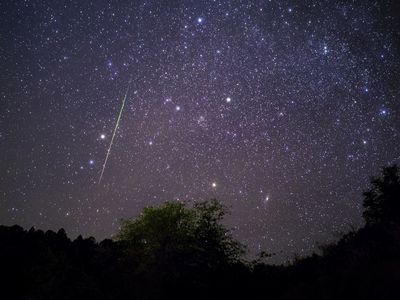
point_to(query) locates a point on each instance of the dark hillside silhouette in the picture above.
(180, 252)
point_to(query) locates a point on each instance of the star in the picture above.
(252, 102)
(383, 112)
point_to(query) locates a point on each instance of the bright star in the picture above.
(383, 112)
(177, 108)
(200, 20)
(214, 184)
(91, 162)
(102, 136)
(228, 99)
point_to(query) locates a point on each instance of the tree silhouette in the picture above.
(182, 235)
(382, 200)
(175, 249)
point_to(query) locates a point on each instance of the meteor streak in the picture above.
(113, 135)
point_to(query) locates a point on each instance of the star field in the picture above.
(279, 109)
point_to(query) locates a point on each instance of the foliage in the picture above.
(382, 200)
(181, 235)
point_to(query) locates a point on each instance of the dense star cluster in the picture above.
(279, 109)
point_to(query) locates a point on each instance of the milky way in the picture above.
(279, 109)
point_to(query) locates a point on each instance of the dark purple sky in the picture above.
(280, 109)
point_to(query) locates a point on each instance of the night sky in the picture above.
(282, 110)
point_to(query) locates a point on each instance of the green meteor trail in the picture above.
(113, 136)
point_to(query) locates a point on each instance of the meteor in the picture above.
(113, 135)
